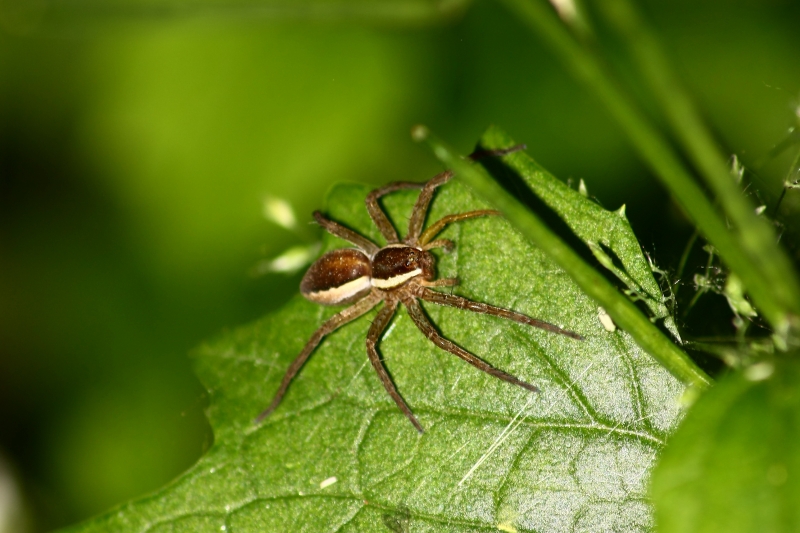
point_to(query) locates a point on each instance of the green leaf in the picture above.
(608, 234)
(494, 456)
(734, 465)
(751, 251)
(579, 217)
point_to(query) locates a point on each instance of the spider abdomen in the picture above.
(338, 277)
(395, 264)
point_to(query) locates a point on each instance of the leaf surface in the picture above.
(607, 234)
(734, 465)
(494, 456)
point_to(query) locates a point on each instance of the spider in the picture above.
(400, 272)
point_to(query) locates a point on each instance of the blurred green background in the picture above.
(136, 152)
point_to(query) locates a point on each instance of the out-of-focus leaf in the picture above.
(494, 456)
(18, 15)
(734, 465)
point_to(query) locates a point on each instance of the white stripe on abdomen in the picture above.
(342, 292)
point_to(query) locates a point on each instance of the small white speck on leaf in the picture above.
(328, 482)
(605, 320)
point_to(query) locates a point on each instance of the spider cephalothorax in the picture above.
(400, 272)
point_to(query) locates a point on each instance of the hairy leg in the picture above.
(424, 199)
(336, 229)
(441, 282)
(451, 300)
(424, 325)
(438, 226)
(373, 336)
(336, 321)
(421, 206)
(376, 213)
(445, 244)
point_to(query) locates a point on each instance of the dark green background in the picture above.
(135, 154)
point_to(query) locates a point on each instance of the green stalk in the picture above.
(757, 237)
(618, 306)
(657, 152)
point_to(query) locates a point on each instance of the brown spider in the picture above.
(400, 272)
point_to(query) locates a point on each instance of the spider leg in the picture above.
(424, 199)
(446, 244)
(336, 321)
(373, 336)
(376, 213)
(439, 225)
(334, 228)
(441, 282)
(424, 325)
(451, 300)
(421, 206)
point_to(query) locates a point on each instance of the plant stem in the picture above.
(757, 238)
(618, 306)
(657, 152)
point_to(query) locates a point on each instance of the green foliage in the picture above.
(283, 104)
(392, 11)
(733, 466)
(749, 249)
(583, 222)
(493, 456)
